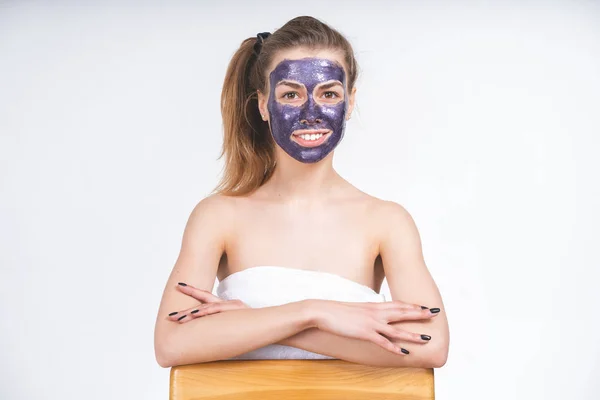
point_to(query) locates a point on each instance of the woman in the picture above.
(300, 253)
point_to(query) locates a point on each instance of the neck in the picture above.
(294, 180)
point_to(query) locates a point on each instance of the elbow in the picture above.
(168, 354)
(164, 353)
(438, 358)
(431, 358)
(163, 360)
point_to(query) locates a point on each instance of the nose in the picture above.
(310, 113)
(311, 121)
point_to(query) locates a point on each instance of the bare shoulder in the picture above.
(392, 211)
(215, 209)
(384, 210)
(389, 215)
(214, 203)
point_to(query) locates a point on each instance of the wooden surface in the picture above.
(298, 379)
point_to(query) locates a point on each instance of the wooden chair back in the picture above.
(298, 379)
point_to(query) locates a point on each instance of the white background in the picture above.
(481, 118)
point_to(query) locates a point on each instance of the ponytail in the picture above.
(248, 147)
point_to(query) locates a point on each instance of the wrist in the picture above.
(310, 312)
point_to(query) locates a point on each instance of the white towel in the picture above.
(266, 286)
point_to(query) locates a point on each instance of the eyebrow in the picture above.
(329, 85)
(290, 83)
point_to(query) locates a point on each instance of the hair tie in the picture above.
(260, 39)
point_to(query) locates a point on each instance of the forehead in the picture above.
(309, 70)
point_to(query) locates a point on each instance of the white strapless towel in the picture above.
(266, 286)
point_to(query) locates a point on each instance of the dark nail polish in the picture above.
(173, 313)
(182, 317)
(425, 337)
(434, 310)
(194, 312)
(404, 351)
(424, 308)
(182, 284)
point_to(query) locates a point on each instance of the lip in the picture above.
(311, 143)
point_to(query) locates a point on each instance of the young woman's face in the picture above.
(308, 102)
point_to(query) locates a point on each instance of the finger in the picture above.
(211, 308)
(392, 315)
(206, 309)
(198, 294)
(386, 344)
(401, 305)
(182, 318)
(214, 308)
(174, 316)
(400, 334)
(199, 311)
(383, 305)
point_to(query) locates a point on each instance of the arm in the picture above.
(223, 335)
(352, 350)
(409, 280)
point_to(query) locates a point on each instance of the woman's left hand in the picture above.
(214, 304)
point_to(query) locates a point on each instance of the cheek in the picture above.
(331, 112)
(290, 116)
(335, 112)
(283, 113)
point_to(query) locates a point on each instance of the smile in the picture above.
(311, 137)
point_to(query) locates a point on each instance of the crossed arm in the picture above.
(226, 334)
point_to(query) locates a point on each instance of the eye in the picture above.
(331, 95)
(291, 95)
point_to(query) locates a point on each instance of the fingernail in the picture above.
(424, 308)
(173, 313)
(182, 284)
(182, 317)
(425, 337)
(434, 310)
(404, 351)
(194, 312)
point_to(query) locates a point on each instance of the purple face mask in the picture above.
(315, 113)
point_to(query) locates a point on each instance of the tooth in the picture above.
(313, 136)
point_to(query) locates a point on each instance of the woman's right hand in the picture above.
(369, 321)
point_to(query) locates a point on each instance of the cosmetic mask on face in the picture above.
(288, 118)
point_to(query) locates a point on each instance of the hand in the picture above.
(369, 321)
(214, 304)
